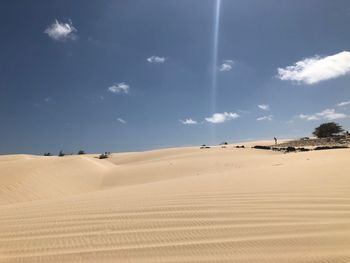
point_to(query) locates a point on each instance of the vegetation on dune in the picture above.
(262, 147)
(204, 147)
(104, 155)
(328, 129)
(329, 135)
(330, 147)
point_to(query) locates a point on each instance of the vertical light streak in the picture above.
(215, 60)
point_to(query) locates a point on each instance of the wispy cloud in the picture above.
(328, 114)
(121, 120)
(244, 111)
(119, 88)
(188, 121)
(226, 65)
(156, 59)
(48, 99)
(61, 31)
(265, 118)
(312, 117)
(222, 117)
(229, 61)
(316, 69)
(264, 107)
(344, 103)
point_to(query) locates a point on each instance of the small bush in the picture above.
(47, 154)
(302, 149)
(204, 147)
(242, 146)
(103, 156)
(290, 149)
(329, 147)
(81, 152)
(61, 154)
(262, 147)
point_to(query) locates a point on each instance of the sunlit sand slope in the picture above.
(178, 205)
(26, 178)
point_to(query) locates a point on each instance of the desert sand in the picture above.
(177, 205)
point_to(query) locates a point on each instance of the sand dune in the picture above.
(27, 178)
(176, 205)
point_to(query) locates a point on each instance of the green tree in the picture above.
(327, 130)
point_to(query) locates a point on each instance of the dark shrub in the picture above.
(47, 154)
(204, 147)
(103, 156)
(61, 154)
(329, 147)
(81, 152)
(302, 149)
(290, 149)
(262, 147)
(328, 129)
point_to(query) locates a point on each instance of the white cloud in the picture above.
(222, 117)
(265, 107)
(265, 118)
(315, 69)
(309, 117)
(188, 121)
(156, 59)
(121, 120)
(226, 65)
(47, 99)
(328, 114)
(61, 31)
(119, 88)
(344, 103)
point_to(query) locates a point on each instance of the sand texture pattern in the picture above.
(177, 205)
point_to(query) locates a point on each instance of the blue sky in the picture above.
(135, 75)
